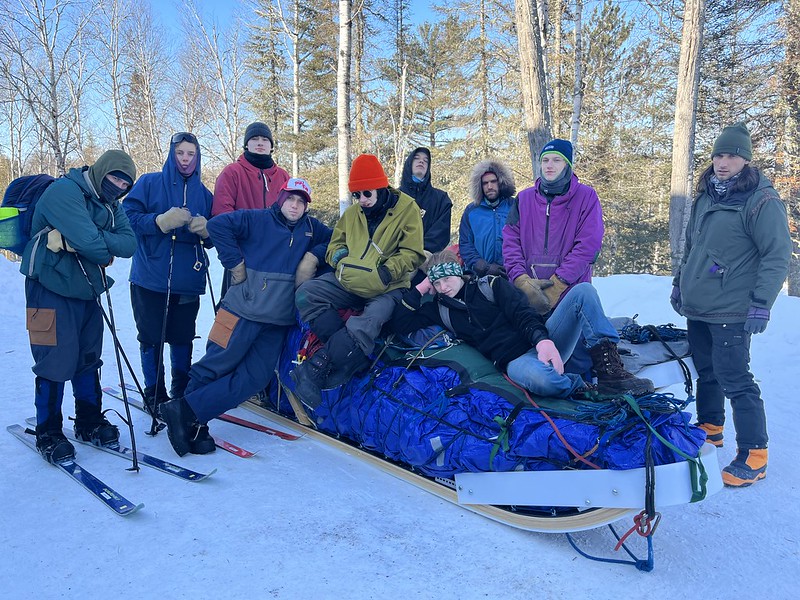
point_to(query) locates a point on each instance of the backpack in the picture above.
(22, 194)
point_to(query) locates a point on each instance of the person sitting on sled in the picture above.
(376, 246)
(493, 316)
(269, 252)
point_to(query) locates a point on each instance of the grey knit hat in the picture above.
(734, 139)
(258, 128)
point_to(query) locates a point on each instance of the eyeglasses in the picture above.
(357, 195)
(184, 136)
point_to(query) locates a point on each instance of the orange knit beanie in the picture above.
(367, 174)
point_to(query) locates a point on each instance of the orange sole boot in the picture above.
(748, 467)
(713, 433)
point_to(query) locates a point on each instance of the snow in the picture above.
(301, 520)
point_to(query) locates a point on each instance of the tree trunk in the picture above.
(536, 112)
(791, 86)
(343, 103)
(558, 11)
(684, 130)
(577, 92)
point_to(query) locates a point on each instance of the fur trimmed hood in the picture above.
(504, 176)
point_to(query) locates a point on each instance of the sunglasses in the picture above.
(357, 195)
(184, 136)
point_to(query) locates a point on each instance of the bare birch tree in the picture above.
(39, 40)
(791, 87)
(684, 128)
(535, 106)
(343, 102)
(577, 90)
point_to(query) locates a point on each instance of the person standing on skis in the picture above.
(168, 211)
(65, 275)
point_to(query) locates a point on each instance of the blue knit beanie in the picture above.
(560, 147)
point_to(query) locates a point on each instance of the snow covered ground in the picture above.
(301, 520)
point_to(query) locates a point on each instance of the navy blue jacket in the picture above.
(271, 251)
(154, 194)
(435, 205)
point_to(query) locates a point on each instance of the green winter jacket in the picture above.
(736, 255)
(396, 244)
(96, 229)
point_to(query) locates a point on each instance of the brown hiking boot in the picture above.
(748, 467)
(612, 377)
(713, 433)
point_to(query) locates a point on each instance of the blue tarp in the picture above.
(450, 413)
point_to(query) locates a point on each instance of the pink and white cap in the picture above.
(296, 185)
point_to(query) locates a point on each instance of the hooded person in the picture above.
(554, 231)
(65, 275)
(168, 211)
(263, 249)
(434, 204)
(480, 235)
(734, 263)
(375, 247)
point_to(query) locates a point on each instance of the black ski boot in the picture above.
(347, 359)
(612, 377)
(153, 400)
(180, 420)
(201, 441)
(54, 447)
(98, 432)
(310, 376)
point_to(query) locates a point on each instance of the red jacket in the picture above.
(243, 185)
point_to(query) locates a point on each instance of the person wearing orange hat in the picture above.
(375, 247)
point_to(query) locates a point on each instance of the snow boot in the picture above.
(347, 359)
(748, 467)
(180, 420)
(310, 376)
(98, 432)
(612, 377)
(153, 399)
(201, 441)
(326, 324)
(54, 446)
(713, 433)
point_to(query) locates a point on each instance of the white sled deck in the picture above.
(541, 501)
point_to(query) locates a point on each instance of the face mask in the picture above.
(109, 191)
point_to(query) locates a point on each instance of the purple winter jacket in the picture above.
(564, 238)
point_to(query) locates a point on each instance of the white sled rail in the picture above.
(587, 488)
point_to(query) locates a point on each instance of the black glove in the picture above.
(480, 268)
(497, 270)
(385, 274)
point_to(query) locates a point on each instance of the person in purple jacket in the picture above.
(269, 253)
(554, 231)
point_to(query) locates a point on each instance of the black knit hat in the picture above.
(734, 139)
(258, 128)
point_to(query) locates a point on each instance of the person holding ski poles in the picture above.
(269, 252)
(64, 271)
(168, 211)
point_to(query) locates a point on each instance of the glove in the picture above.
(338, 255)
(480, 268)
(385, 274)
(57, 243)
(675, 299)
(198, 225)
(548, 354)
(497, 270)
(238, 274)
(425, 287)
(306, 269)
(532, 288)
(757, 319)
(172, 219)
(554, 292)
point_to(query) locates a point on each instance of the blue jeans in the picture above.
(579, 313)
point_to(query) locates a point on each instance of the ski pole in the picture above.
(208, 275)
(160, 361)
(117, 346)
